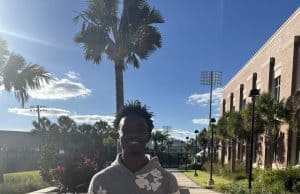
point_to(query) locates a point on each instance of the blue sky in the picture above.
(198, 35)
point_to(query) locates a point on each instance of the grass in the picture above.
(203, 176)
(220, 182)
(22, 182)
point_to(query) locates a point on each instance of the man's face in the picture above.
(133, 134)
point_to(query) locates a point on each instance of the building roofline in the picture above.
(263, 47)
(8, 131)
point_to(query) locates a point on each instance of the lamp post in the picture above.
(195, 162)
(253, 94)
(211, 123)
(186, 153)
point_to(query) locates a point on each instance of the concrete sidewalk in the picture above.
(187, 186)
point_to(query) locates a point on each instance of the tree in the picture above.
(159, 139)
(125, 38)
(203, 139)
(67, 126)
(246, 132)
(234, 129)
(18, 76)
(271, 112)
(221, 134)
(292, 106)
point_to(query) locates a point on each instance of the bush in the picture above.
(278, 180)
(47, 160)
(75, 172)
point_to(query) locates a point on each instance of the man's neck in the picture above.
(134, 162)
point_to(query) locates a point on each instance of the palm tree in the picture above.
(159, 138)
(293, 109)
(272, 112)
(234, 127)
(68, 130)
(125, 38)
(18, 76)
(292, 106)
(246, 132)
(221, 134)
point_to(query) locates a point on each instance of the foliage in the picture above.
(75, 172)
(47, 161)
(18, 76)
(125, 37)
(160, 140)
(292, 114)
(278, 180)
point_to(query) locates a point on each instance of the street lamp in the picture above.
(253, 94)
(195, 162)
(211, 123)
(186, 153)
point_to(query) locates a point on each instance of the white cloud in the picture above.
(60, 89)
(72, 75)
(91, 119)
(203, 99)
(55, 112)
(44, 112)
(201, 121)
(178, 133)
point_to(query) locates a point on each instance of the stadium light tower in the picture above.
(211, 78)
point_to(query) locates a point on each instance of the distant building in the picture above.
(18, 151)
(277, 64)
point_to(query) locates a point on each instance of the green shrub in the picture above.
(277, 180)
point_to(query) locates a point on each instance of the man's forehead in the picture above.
(132, 119)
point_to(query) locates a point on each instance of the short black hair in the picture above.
(135, 108)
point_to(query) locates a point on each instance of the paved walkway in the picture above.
(187, 186)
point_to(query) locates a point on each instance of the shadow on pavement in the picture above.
(184, 191)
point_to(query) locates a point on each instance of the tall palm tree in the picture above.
(292, 106)
(293, 109)
(125, 38)
(234, 127)
(272, 113)
(18, 76)
(221, 134)
(246, 132)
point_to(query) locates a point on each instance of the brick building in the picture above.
(277, 64)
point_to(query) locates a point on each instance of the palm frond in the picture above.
(133, 60)
(145, 41)
(94, 42)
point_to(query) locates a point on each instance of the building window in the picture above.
(277, 81)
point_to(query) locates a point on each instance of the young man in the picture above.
(133, 172)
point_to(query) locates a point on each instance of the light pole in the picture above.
(181, 154)
(211, 78)
(195, 162)
(186, 153)
(211, 123)
(253, 94)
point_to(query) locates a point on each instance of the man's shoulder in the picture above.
(105, 173)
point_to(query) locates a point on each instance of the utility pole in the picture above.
(38, 109)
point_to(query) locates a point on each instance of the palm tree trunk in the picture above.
(222, 152)
(119, 65)
(233, 153)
